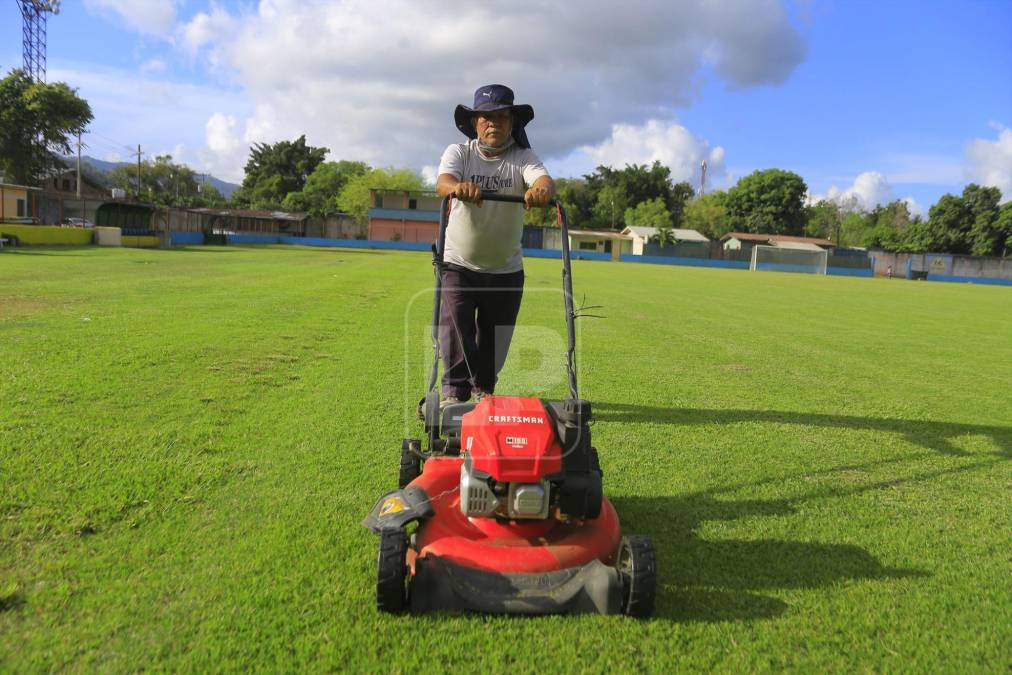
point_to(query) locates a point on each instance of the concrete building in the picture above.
(744, 241)
(641, 236)
(224, 221)
(600, 241)
(18, 203)
(404, 215)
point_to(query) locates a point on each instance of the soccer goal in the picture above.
(777, 259)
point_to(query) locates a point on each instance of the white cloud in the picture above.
(990, 162)
(221, 133)
(914, 207)
(204, 30)
(225, 148)
(153, 67)
(669, 143)
(151, 17)
(159, 114)
(382, 91)
(869, 189)
(430, 174)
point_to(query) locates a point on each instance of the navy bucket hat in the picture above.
(495, 97)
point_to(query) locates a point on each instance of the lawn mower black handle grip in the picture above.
(496, 197)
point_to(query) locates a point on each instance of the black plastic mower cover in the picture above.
(396, 509)
(442, 586)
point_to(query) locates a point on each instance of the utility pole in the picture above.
(78, 164)
(138, 172)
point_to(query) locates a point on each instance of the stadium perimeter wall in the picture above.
(260, 239)
(47, 235)
(945, 267)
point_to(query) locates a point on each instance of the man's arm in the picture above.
(540, 193)
(466, 192)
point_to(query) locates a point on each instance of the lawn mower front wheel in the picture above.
(392, 571)
(637, 566)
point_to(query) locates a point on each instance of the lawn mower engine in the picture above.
(511, 519)
(523, 461)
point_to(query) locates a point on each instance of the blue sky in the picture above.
(868, 101)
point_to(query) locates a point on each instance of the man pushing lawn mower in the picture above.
(507, 495)
(482, 275)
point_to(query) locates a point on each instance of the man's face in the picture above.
(494, 128)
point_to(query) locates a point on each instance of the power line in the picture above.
(123, 146)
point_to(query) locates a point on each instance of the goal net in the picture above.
(776, 259)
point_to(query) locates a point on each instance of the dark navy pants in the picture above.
(477, 314)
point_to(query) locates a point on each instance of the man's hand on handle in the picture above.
(468, 192)
(537, 196)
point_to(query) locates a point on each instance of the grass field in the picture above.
(190, 438)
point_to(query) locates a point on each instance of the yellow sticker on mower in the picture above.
(392, 504)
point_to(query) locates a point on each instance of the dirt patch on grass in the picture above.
(14, 307)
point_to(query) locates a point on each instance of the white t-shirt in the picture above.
(487, 238)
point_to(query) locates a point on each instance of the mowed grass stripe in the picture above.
(189, 439)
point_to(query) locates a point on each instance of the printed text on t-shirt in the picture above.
(492, 183)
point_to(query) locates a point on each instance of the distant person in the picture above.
(889, 272)
(483, 279)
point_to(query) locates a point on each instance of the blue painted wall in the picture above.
(192, 238)
(988, 281)
(186, 238)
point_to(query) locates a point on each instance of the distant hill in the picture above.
(103, 167)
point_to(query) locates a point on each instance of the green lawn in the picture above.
(189, 440)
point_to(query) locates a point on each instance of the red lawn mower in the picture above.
(508, 503)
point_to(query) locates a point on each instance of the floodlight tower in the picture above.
(702, 177)
(33, 35)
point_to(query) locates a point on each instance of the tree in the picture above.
(610, 206)
(319, 196)
(852, 229)
(577, 198)
(768, 202)
(355, 198)
(681, 195)
(986, 236)
(166, 183)
(614, 190)
(822, 220)
(887, 226)
(651, 213)
(30, 111)
(1004, 223)
(947, 228)
(275, 170)
(969, 224)
(707, 215)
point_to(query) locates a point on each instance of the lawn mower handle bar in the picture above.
(567, 283)
(514, 199)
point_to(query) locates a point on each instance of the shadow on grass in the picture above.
(233, 248)
(62, 251)
(935, 436)
(722, 580)
(11, 601)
